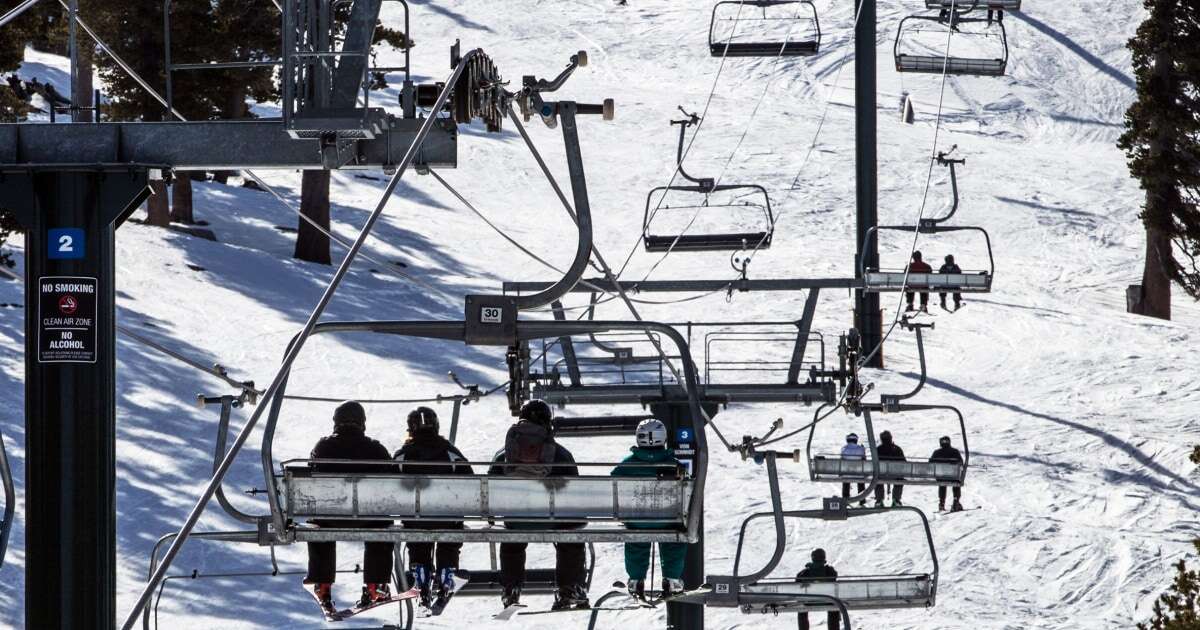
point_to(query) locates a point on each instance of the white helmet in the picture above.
(651, 433)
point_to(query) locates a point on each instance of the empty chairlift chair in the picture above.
(706, 216)
(921, 42)
(764, 28)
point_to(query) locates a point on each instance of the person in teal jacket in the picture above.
(645, 460)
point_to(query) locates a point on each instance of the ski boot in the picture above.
(896, 503)
(941, 506)
(324, 594)
(956, 506)
(511, 596)
(636, 588)
(878, 503)
(420, 577)
(373, 593)
(671, 586)
(570, 597)
(446, 588)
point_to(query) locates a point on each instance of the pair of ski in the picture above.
(647, 601)
(436, 608)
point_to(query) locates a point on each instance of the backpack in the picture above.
(531, 447)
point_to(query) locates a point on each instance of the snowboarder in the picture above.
(888, 450)
(853, 450)
(950, 267)
(918, 266)
(947, 453)
(425, 444)
(349, 441)
(530, 446)
(818, 571)
(644, 461)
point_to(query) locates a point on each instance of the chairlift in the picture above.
(991, 5)
(748, 202)
(602, 507)
(949, 24)
(881, 280)
(773, 26)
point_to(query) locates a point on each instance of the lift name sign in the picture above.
(67, 320)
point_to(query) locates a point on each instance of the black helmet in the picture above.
(422, 419)
(944, 440)
(886, 437)
(852, 438)
(916, 255)
(537, 412)
(818, 555)
(950, 259)
(350, 413)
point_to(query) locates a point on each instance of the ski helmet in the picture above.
(422, 419)
(944, 441)
(537, 412)
(350, 413)
(949, 259)
(916, 255)
(651, 433)
(818, 555)
(886, 437)
(852, 438)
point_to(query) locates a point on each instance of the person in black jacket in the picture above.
(530, 451)
(818, 571)
(426, 445)
(947, 453)
(349, 441)
(887, 450)
(950, 267)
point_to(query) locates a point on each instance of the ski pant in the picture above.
(908, 297)
(846, 489)
(445, 553)
(897, 492)
(957, 299)
(833, 620)
(377, 556)
(637, 559)
(942, 493)
(570, 560)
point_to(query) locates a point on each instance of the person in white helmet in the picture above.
(647, 459)
(854, 450)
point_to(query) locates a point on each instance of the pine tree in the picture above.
(1162, 142)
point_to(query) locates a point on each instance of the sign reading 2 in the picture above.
(65, 244)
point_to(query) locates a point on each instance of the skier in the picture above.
(947, 453)
(644, 461)
(424, 444)
(818, 571)
(950, 267)
(854, 450)
(530, 445)
(349, 441)
(889, 451)
(918, 266)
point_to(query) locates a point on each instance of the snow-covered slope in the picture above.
(1078, 413)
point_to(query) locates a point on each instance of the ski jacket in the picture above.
(427, 446)
(946, 454)
(641, 462)
(919, 266)
(949, 268)
(562, 457)
(854, 451)
(817, 573)
(890, 451)
(349, 443)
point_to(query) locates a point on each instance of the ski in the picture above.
(590, 609)
(508, 612)
(346, 613)
(330, 614)
(952, 512)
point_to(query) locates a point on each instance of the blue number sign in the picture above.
(65, 244)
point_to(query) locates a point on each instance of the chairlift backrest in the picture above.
(948, 27)
(764, 28)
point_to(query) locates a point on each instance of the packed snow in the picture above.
(1078, 415)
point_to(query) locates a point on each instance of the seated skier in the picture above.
(424, 444)
(888, 450)
(643, 461)
(530, 446)
(349, 441)
(854, 450)
(818, 571)
(950, 267)
(947, 453)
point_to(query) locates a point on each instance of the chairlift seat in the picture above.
(555, 509)
(960, 5)
(707, 242)
(895, 280)
(833, 468)
(858, 593)
(961, 66)
(764, 49)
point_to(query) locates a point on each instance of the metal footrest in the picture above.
(707, 242)
(765, 49)
(354, 123)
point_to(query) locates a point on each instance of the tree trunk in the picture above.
(311, 244)
(1156, 278)
(158, 211)
(181, 199)
(235, 108)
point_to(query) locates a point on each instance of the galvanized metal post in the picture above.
(867, 315)
(70, 220)
(73, 51)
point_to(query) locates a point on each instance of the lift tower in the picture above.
(868, 318)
